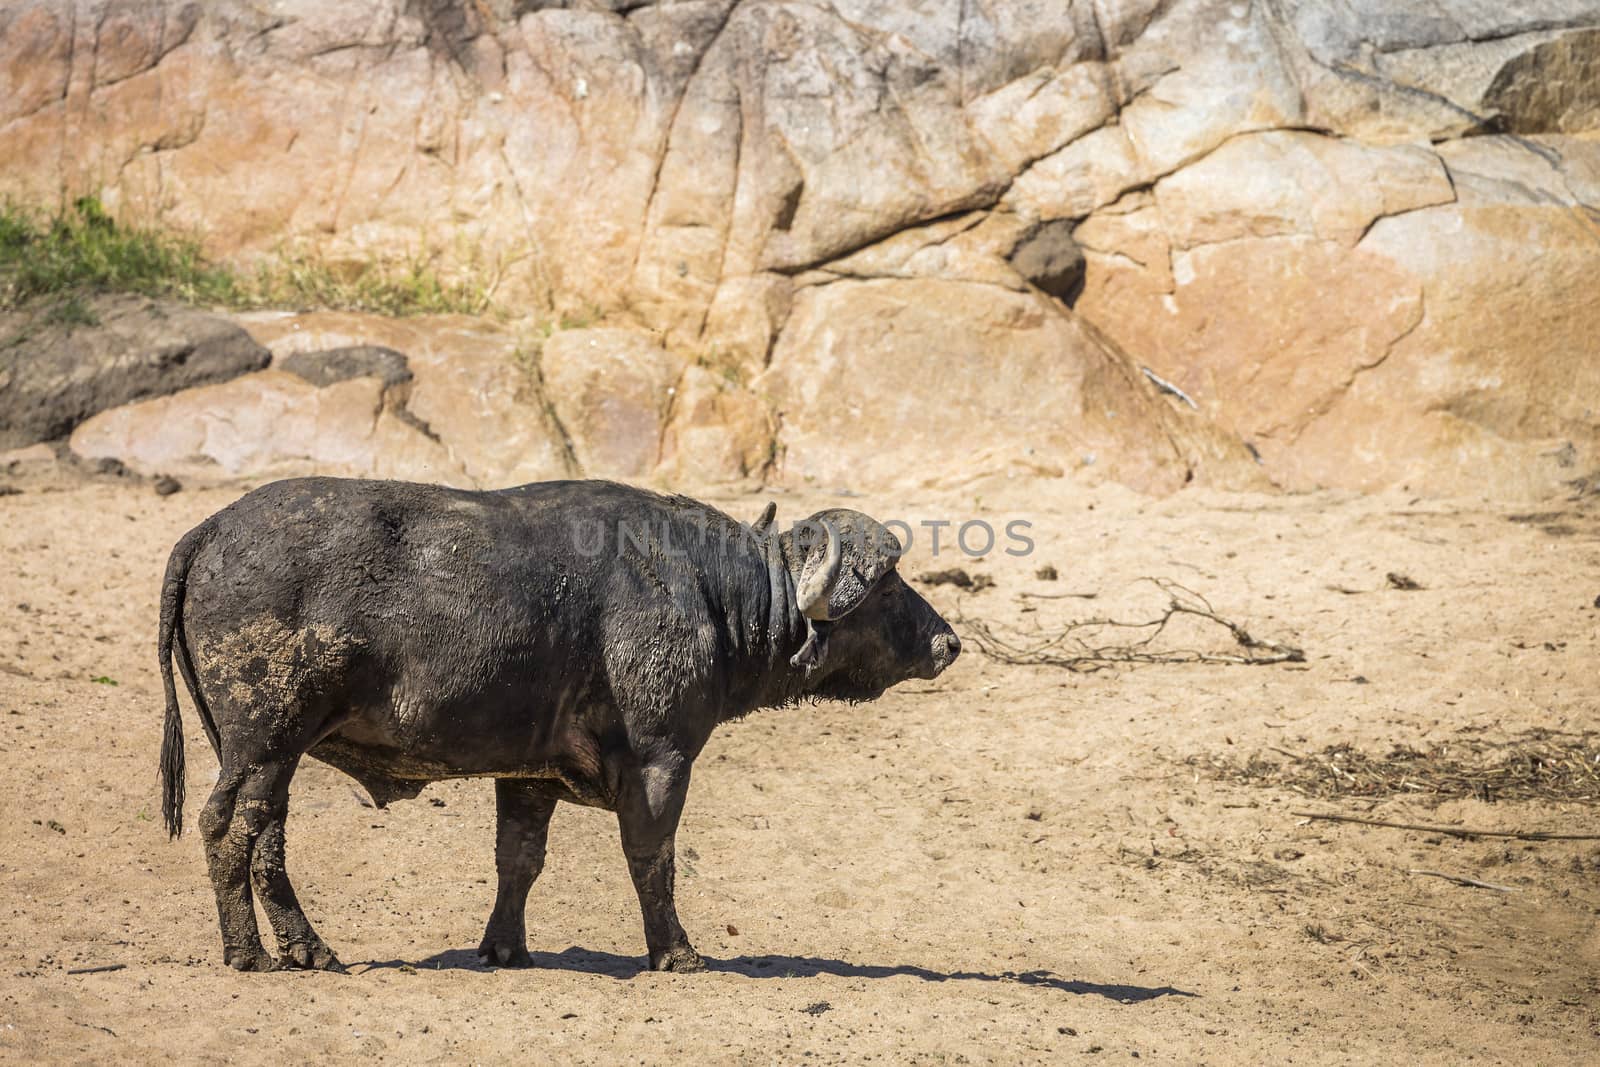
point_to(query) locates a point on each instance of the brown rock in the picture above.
(1081, 178)
(32, 460)
(746, 314)
(1263, 334)
(1042, 111)
(1202, 74)
(474, 388)
(947, 377)
(266, 424)
(971, 247)
(1496, 385)
(1552, 87)
(54, 374)
(611, 390)
(1364, 363)
(1283, 183)
(718, 431)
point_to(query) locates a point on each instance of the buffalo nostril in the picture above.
(952, 645)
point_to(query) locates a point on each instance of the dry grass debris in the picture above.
(1533, 765)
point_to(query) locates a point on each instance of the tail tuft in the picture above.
(172, 771)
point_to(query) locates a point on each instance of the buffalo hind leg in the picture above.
(298, 943)
(233, 817)
(522, 821)
(647, 813)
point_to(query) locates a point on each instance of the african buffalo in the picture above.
(573, 640)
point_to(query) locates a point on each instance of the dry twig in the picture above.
(1458, 880)
(1453, 831)
(1076, 647)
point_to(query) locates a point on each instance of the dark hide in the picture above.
(577, 641)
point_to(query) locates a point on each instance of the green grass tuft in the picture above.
(83, 250)
(416, 288)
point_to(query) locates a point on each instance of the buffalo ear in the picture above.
(867, 551)
(764, 522)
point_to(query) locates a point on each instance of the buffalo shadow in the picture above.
(613, 965)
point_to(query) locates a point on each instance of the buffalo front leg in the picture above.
(522, 821)
(647, 813)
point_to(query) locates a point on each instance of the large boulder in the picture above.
(61, 363)
(947, 376)
(472, 388)
(270, 424)
(1497, 387)
(442, 399)
(1365, 317)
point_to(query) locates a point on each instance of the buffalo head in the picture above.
(867, 629)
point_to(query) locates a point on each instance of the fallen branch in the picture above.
(104, 967)
(1453, 831)
(1458, 880)
(1071, 649)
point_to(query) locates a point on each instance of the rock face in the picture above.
(948, 374)
(55, 374)
(612, 391)
(1357, 236)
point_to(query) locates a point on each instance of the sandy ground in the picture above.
(1007, 865)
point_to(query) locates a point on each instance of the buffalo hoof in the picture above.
(254, 959)
(499, 954)
(680, 959)
(312, 957)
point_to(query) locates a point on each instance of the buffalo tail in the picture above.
(172, 594)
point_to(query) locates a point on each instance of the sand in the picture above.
(1006, 865)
